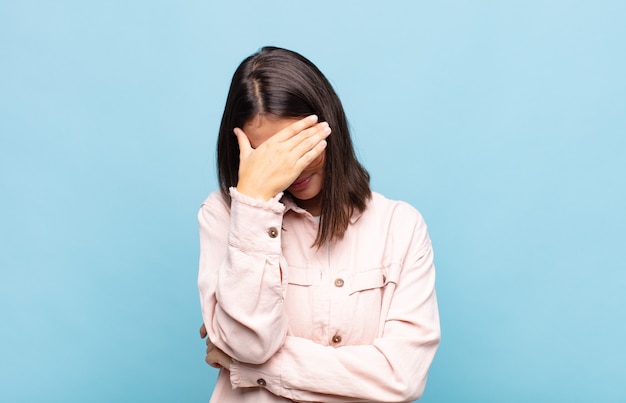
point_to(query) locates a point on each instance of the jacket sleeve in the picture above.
(393, 368)
(240, 284)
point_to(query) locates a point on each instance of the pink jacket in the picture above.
(355, 321)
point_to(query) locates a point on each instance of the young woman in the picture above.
(313, 288)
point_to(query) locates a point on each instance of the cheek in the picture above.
(317, 163)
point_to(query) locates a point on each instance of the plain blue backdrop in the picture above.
(504, 122)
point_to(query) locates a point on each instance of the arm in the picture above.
(240, 282)
(393, 368)
(239, 278)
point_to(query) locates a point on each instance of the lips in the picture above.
(300, 184)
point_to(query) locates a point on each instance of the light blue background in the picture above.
(503, 122)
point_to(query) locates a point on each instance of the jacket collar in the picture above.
(290, 204)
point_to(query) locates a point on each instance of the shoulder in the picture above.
(214, 200)
(213, 208)
(399, 223)
(393, 210)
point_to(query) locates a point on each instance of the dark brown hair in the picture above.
(283, 83)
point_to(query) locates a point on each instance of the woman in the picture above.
(313, 288)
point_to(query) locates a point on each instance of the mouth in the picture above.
(300, 184)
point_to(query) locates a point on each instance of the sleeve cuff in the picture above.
(251, 376)
(256, 224)
(272, 204)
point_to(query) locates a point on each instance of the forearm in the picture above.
(242, 298)
(389, 370)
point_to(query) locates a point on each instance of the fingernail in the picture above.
(313, 118)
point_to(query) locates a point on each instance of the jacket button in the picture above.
(272, 232)
(261, 382)
(336, 339)
(339, 282)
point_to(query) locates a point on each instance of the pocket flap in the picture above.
(302, 276)
(367, 280)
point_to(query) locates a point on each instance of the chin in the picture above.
(305, 194)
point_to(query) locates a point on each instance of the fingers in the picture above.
(292, 135)
(296, 128)
(316, 163)
(213, 359)
(213, 364)
(214, 356)
(244, 143)
(217, 358)
(311, 155)
(309, 146)
(209, 344)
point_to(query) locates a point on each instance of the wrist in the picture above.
(261, 194)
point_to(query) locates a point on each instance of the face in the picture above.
(307, 188)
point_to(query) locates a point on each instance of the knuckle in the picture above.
(314, 141)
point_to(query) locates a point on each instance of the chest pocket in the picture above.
(361, 307)
(367, 280)
(303, 276)
(300, 302)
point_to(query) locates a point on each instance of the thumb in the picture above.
(244, 143)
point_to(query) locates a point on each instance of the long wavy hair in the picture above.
(283, 83)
